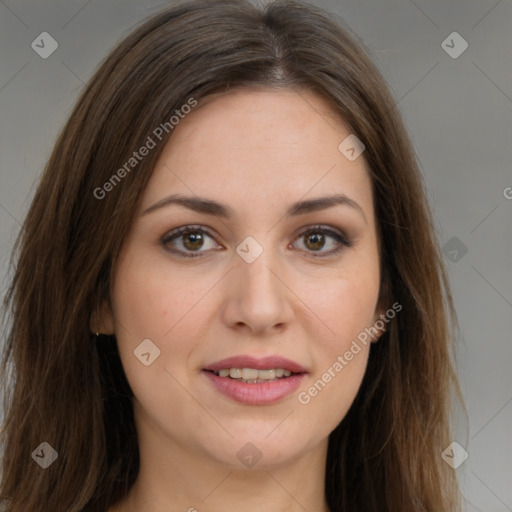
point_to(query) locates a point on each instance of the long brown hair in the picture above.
(62, 387)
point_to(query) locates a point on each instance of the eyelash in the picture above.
(176, 233)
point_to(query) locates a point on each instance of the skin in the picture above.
(257, 151)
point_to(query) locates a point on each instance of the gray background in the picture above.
(459, 114)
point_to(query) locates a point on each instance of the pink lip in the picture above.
(262, 393)
(256, 394)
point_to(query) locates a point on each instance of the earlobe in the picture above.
(376, 338)
(102, 321)
(382, 317)
(380, 324)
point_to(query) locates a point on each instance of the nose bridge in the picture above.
(258, 279)
(260, 298)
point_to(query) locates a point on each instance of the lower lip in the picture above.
(261, 393)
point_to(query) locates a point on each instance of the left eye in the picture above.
(314, 239)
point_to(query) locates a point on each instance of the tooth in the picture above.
(266, 374)
(249, 374)
(253, 375)
(235, 373)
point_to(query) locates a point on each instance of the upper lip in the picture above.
(258, 363)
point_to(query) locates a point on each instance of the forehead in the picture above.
(257, 148)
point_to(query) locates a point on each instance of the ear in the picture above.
(380, 321)
(380, 318)
(102, 319)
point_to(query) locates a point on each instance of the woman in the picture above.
(228, 291)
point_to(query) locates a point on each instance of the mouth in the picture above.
(255, 381)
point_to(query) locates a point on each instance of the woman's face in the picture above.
(264, 275)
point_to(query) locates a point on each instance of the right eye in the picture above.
(187, 240)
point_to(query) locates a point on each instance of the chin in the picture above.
(260, 450)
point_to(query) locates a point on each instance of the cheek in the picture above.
(150, 303)
(346, 303)
(167, 307)
(150, 300)
(340, 356)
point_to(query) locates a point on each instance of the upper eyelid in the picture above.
(201, 227)
(185, 228)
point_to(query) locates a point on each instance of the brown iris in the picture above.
(317, 240)
(193, 240)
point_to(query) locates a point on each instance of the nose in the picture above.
(258, 299)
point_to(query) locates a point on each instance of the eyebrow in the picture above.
(210, 207)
